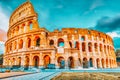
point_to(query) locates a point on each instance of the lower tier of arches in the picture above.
(47, 60)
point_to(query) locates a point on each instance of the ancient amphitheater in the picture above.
(29, 45)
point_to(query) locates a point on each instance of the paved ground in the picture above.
(48, 74)
(11, 74)
(35, 76)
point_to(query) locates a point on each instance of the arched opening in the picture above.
(108, 49)
(10, 46)
(26, 63)
(51, 43)
(90, 47)
(29, 42)
(31, 25)
(96, 47)
(61, 62)
(83, 47)
(21, 44)
(105, 49)
(107, 63)
(46, 61)
(36, 61)
(19, 61)
(60, 42)
(37, 41)
(70, 44)
(110, 63)
(77, 45)
(80, 62)
(100, 47)
(85, 63)
(13, 61)
(71, 62)
(15, 45)
(83, 38)
(98, 62)
(91, 62)
(103, 63)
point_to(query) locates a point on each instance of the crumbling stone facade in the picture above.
(29, 45)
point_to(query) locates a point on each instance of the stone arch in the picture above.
(61, 62)
(91, 62)
(71, 62)
(28, 42)
(96, 47)
(90, 47)
(13, 61)
(98, 62)
(82, 38)
(61, 42)
(19, 61)
(47, 60)
(31, 25)
(83, 46)
(77, 45)
(27, 62)
(15, 45)
(11, 46)
(51, 43)
(37, 41)
(36, 61)
(21, 44)
(105, 49)
(85, 62)
(70, 43)
(100, 47)
(103, 63)
(107, 62)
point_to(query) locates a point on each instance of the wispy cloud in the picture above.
(114, 34)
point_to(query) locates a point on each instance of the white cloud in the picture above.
(4, 20)
(2, 47)
(113, 34)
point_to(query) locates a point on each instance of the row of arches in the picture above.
(21, 29)
(60, 43)
(85, 62)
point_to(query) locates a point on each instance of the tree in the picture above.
(1, 59)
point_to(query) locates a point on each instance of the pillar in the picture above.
(26, 27)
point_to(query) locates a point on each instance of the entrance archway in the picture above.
(19, 61)
(107, 63)
(61, 62)
(85, 63)
(102, 63)
(71, 62)
(46, 61)
(36, 61)
(91, 62)
(26, 62)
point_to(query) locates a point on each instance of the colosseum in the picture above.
(29, 45)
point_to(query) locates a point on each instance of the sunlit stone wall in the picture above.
(28, 45)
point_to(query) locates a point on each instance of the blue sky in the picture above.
(101, 15)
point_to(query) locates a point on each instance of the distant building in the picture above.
(30, 46)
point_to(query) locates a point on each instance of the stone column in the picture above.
(66, 42)
(35, 23)
(23, 61)
(26, 27)
(53, 57)
(31, 61)
(41, 60)
(24, 43)
(95, 63)
(20, 29)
